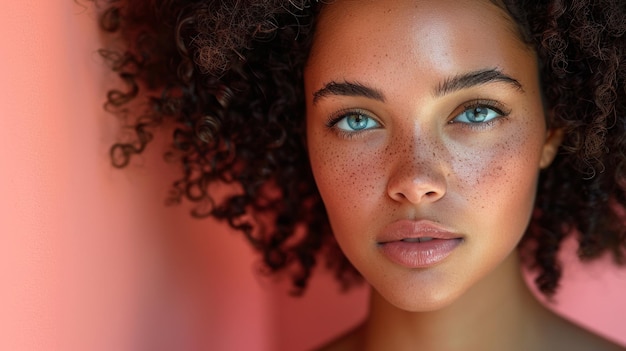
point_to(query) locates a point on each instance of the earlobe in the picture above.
(554, 137)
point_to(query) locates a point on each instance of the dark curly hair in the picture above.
(229, 75)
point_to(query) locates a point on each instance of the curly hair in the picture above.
(229, 76)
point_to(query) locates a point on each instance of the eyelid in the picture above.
(495, 105)
(334, 118)
(337, 117)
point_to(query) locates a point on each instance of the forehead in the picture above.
(380, 10)
(412, 30)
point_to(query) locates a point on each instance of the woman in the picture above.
(439, 144)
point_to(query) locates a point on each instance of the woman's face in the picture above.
(424, 121)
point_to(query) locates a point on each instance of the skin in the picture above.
(419, 157)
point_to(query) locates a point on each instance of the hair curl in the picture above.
(229, 74)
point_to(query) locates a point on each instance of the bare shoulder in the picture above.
(556, 334)
(565, 335)
(346, 342)
(589, 341)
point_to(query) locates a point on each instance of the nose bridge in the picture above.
(418, 167)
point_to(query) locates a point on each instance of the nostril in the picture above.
(415, 189)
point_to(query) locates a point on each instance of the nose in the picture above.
(418, 177)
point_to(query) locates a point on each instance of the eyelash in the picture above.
(485, 103)
(494, 105)
(340, 115)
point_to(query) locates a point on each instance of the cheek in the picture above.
(483, 167)
(498, 183)
(348, 177)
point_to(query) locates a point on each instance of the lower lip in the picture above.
(419, 255)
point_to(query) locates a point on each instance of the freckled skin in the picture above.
(477, 182)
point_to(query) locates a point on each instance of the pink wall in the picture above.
(92, 260)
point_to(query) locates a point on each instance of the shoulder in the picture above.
(346, 342)
(561, 334)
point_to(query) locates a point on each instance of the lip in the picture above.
(413, 253)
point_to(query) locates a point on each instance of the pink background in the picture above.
(91, 259)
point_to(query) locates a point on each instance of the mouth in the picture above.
(415, 232)
(415, 253)
(417, 244)
(417, 240)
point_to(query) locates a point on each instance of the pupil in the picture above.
(357, 122)
(479, 114)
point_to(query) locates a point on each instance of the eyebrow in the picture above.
(456, 83)
(471, 79)
(348, 89)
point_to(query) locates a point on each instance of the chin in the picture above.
(419, 300)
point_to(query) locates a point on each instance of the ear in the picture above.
(554, 137)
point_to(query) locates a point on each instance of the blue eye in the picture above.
(355, 122)
(477, 114)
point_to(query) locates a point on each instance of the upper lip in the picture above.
(409, 229)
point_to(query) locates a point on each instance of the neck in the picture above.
(499, 308)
